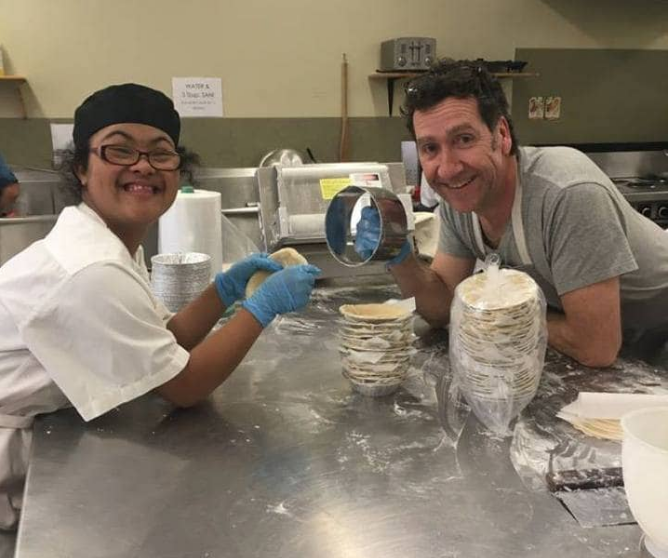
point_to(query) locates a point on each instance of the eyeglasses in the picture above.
(124, 156)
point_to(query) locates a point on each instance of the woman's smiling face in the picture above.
(128, 198)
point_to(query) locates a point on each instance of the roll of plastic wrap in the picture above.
(193, 224)
(307, 225)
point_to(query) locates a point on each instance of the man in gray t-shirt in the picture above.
(579, 230)
(548, 211)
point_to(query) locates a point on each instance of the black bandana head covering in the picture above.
(127, 103)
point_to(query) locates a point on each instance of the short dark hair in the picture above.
(461, 79)
(76, 158)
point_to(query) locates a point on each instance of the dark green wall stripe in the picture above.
(235, 142)
(608, 96)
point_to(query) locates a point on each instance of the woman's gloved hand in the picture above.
(285, 291)
(231, 284)
(368, 237)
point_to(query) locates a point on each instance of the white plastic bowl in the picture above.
(645, 469)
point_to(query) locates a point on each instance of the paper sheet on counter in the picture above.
(611, 405)
(598, 414)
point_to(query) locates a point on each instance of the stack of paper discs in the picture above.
(179, 278)
(376, 346)
(498, 339)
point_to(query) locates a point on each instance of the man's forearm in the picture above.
(563, 337)
(432, 296)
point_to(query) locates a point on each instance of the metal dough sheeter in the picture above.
(294, 201)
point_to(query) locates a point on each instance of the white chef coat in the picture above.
(79, 325)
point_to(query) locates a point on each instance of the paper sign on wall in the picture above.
(195, 96)
(536, 108)
(553, 108)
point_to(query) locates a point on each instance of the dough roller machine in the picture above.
(294, 201)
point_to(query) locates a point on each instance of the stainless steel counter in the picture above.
(285, 460)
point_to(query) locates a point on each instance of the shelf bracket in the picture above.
(22, 101)
(16, 83)
(390, 94)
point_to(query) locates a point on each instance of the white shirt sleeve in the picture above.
(102, 339)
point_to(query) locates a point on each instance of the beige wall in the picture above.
(282, 59)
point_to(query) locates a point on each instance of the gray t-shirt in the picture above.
(579, 230)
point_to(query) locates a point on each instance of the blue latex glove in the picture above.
(285, 291)
(336, 226)
(368, 237)
(231, 284)
(368, 232)
(402, 255)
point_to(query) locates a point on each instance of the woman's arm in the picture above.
(212, 360)
(216, 357)
(194, 322)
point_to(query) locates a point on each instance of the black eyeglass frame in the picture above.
(101, 152)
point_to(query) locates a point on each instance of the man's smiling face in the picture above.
(462, 159)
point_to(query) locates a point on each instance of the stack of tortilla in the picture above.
(498, 341)
(376, 346)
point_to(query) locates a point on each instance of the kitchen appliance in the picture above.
(648, 195)
(641, 177)
(284, 157)
(38, 205)
(407, 53)
(294, 202)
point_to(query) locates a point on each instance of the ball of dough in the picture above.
(285, 256)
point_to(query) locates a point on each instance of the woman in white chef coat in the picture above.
(78, 322)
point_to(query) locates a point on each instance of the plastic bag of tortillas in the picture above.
(498, 339)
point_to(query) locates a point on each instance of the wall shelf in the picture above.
(17, 81)
(392, 77)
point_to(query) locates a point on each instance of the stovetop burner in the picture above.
(642, 183)
(643, 189)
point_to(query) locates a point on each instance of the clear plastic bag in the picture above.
(236, 244)
(498, 339)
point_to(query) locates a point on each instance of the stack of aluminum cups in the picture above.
(376, 346)
(177, 279)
